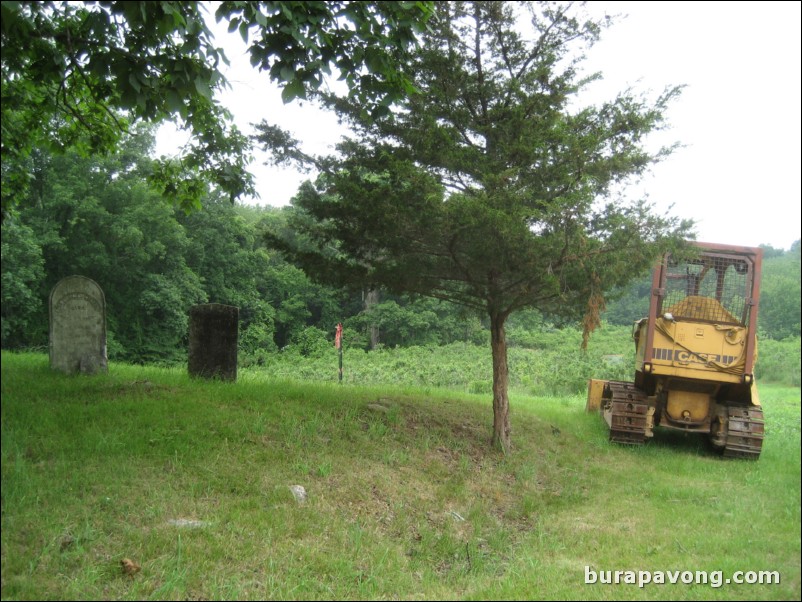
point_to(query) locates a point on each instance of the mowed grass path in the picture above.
(190, 480)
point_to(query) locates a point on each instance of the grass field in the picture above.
(191, 481)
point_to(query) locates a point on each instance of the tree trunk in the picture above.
(501, 403)
(372, 298)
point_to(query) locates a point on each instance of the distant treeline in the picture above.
(97, 217)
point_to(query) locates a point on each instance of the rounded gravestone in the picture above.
(78, 326)
(213, 334)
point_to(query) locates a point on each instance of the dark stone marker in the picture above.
(213, 333)
(78, 326)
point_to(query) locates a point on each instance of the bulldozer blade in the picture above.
(595, 392)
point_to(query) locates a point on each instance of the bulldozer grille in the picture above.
(710, 289)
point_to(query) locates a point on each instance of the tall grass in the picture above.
(191, 480)
(541, 363)
(551, 363)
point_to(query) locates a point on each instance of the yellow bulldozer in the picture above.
(695, 355)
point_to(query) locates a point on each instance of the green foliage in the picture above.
(630, 303)
(22, 276)
(76, 74)
(403, 322)
(542, 362)
(234, 269)
(97, 217)
(300, 42)
(780, 294)
(779, 361)
(310, 342)
(407, 325)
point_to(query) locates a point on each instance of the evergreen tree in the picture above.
(493, 188)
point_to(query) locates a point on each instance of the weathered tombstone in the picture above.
(78, 326)
(213, 332)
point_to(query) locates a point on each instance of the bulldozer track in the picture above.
(627, 412)
(745, 429)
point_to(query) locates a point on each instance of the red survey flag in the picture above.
(338, 338)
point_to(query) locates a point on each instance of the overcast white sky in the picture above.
(738, 174)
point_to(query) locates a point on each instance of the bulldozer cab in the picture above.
(702, 317)
(711, 288)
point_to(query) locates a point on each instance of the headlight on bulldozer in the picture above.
(647, 367)
(748, 379)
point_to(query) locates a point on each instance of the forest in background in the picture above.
(98, 217)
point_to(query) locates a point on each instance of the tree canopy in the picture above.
(96, 216)
(780, 293)
(77, 74)
(494, 188)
